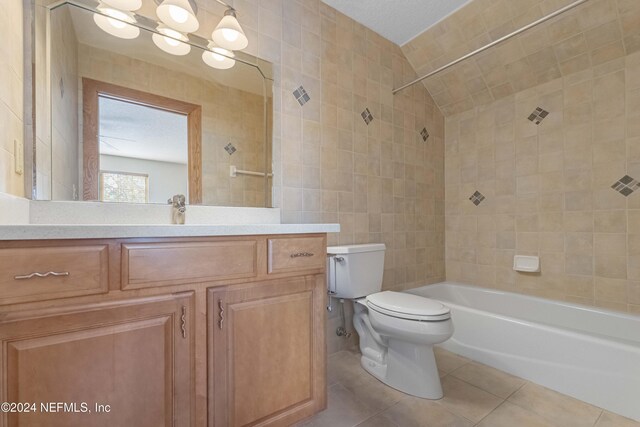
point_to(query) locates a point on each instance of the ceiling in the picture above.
(397, 20)
(140, 132)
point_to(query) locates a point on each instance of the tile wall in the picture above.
(561, 185)
(589, 35)
(381, 181)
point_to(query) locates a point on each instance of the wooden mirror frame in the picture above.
(91, 92)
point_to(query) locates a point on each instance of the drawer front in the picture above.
(296, 254)
(31, 274)
(163, 264)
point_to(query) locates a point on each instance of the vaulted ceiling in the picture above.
(397, 20)
(585, 37)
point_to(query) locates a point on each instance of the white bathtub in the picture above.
(588, 353)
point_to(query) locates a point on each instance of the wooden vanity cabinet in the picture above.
(136, 356)
(201, 331)
(266, 353)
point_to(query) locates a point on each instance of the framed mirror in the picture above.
(128, 111)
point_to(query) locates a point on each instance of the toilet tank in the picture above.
(355, 271)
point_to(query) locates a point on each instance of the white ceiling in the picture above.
(397, 20)
(130, 130)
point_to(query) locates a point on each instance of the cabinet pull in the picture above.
(49, 273)
(302, 254)
(183, 322)
(221, 314)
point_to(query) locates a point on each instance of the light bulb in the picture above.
(116, 22)
(171, 41)
(231, 35)
(178, 14)
(228, 33)
(217, 57)
(119, 17)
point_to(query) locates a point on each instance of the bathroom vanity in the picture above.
(222, 330)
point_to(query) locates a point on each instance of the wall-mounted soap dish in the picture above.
(526, 264)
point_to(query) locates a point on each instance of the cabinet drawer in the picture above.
(30, 274)
(162, 264)
(296, 253)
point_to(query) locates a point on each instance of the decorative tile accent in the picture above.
(626, 185)
(229, 148)
(476, 198)
(367, 116)
(301, 95)
(538, 115)
(425, 134)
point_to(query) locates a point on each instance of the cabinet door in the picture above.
(134, 356)
(267, 352)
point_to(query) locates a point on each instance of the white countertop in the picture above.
(111, 231)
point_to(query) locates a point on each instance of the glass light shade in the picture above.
(217, 57)
(117, 23)
(228, 34)
(171, 41)
(179, 15)
(129, 5)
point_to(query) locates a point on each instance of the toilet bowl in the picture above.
(397, 330)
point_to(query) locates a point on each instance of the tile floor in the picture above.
(474, 395)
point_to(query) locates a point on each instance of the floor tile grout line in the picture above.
(490, 412)
(545, 417)
(598, 419)
(487, 391)
(518, 389)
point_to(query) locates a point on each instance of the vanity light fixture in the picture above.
(178, 14)
(130, 5)
(116, 22)
(228, 34)
(217, 57)
(171, 41)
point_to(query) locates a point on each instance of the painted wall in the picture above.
(165, 179)
(11, 94)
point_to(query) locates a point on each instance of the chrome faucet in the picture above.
(179, 203)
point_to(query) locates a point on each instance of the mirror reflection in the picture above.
(140, 112)
(139, 144)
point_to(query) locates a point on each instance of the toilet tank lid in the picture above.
(352, 249)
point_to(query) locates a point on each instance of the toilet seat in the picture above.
(408, 306)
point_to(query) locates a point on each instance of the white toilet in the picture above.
(397, 330)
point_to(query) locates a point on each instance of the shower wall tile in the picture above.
(585, 37)
(552, 193)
